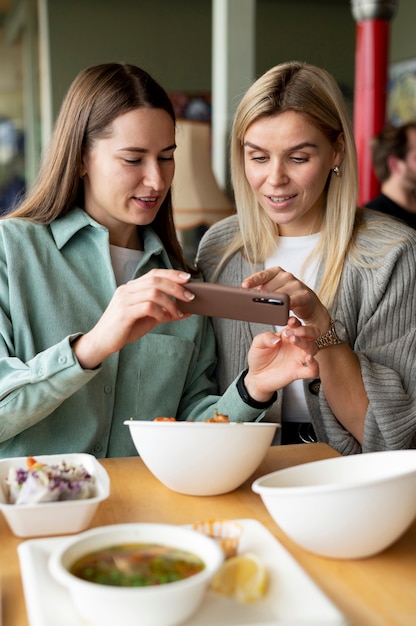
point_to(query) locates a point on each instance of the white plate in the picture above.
(292, 599)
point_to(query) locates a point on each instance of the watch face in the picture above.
(340, 330)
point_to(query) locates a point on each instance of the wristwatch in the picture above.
(334, 336)
(247, 399)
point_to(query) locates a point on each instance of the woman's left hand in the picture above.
(276, 360)
(304, 302)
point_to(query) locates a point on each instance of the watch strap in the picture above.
(245, 396)
(330, 338)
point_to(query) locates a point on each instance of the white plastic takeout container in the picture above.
(347, 507)
(155, 605)
(53, 518)
(202, 458)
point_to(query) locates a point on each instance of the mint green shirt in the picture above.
(55, 283)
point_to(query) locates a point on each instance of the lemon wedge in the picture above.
(243, 576)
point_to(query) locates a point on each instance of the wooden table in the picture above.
(378, 591)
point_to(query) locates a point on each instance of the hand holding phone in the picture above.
(249, 305)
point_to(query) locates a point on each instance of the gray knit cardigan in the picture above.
(377, 306)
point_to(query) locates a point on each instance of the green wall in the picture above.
(321, 33)
(402, 32)
(172, 38)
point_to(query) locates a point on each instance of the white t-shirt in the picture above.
(124, 262)
(290, 255)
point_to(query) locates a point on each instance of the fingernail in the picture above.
(189, 295)
(184, 275)
(276, 340)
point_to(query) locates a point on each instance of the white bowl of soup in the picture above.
(348, 507)
(129, 574)
(201, 458)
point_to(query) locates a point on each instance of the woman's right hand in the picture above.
(136, 308)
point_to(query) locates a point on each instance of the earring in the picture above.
(336, 170)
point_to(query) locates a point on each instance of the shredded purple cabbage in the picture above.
(47, 483)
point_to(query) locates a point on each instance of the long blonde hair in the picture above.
(97, 96)
(313, 92)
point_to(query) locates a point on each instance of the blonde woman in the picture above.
(350, 272)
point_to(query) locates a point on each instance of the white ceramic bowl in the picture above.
(200, 458)
(157, 605)
(346, 507)
(53, 518)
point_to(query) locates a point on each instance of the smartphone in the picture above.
(249, 305)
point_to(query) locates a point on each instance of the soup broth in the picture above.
(137, 565)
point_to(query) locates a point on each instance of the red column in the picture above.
(370, 92)
(370, 96)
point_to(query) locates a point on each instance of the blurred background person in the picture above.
(394, 161)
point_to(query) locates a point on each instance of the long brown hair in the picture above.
(97, 96)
